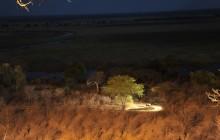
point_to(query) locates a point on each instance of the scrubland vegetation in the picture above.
(76, 111)
(100, 65)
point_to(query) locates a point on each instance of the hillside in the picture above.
(85, 115)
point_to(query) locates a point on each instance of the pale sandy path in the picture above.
(156, 108)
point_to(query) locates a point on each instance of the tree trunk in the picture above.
(123, 102)
(97, 87)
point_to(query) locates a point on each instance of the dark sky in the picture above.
(62, 7)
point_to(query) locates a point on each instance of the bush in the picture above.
(203, 78)
(74, 73)
(11, 77)
(147, 76)
(120, 71)
(169, 66)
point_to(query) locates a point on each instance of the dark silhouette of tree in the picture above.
(96, 79)
(6, 75)
(74, 73)
(20, 78)
(11, 77)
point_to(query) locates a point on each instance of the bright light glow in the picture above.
(139, 106)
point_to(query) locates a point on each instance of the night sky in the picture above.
(63, 7)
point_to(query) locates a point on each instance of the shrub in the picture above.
(74, 73)
(203, 78)
(11, 77)
(147, 76)
(169, 66)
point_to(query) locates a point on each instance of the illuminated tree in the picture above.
(24, 4)
(123, 86)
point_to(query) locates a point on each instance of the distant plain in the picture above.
(133, 44)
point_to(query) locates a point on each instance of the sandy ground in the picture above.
(156, 108)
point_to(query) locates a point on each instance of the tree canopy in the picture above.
(123, 86)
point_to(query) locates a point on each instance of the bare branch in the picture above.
(214, 96)
(24, 5)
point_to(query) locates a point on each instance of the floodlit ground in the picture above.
(143, 107)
